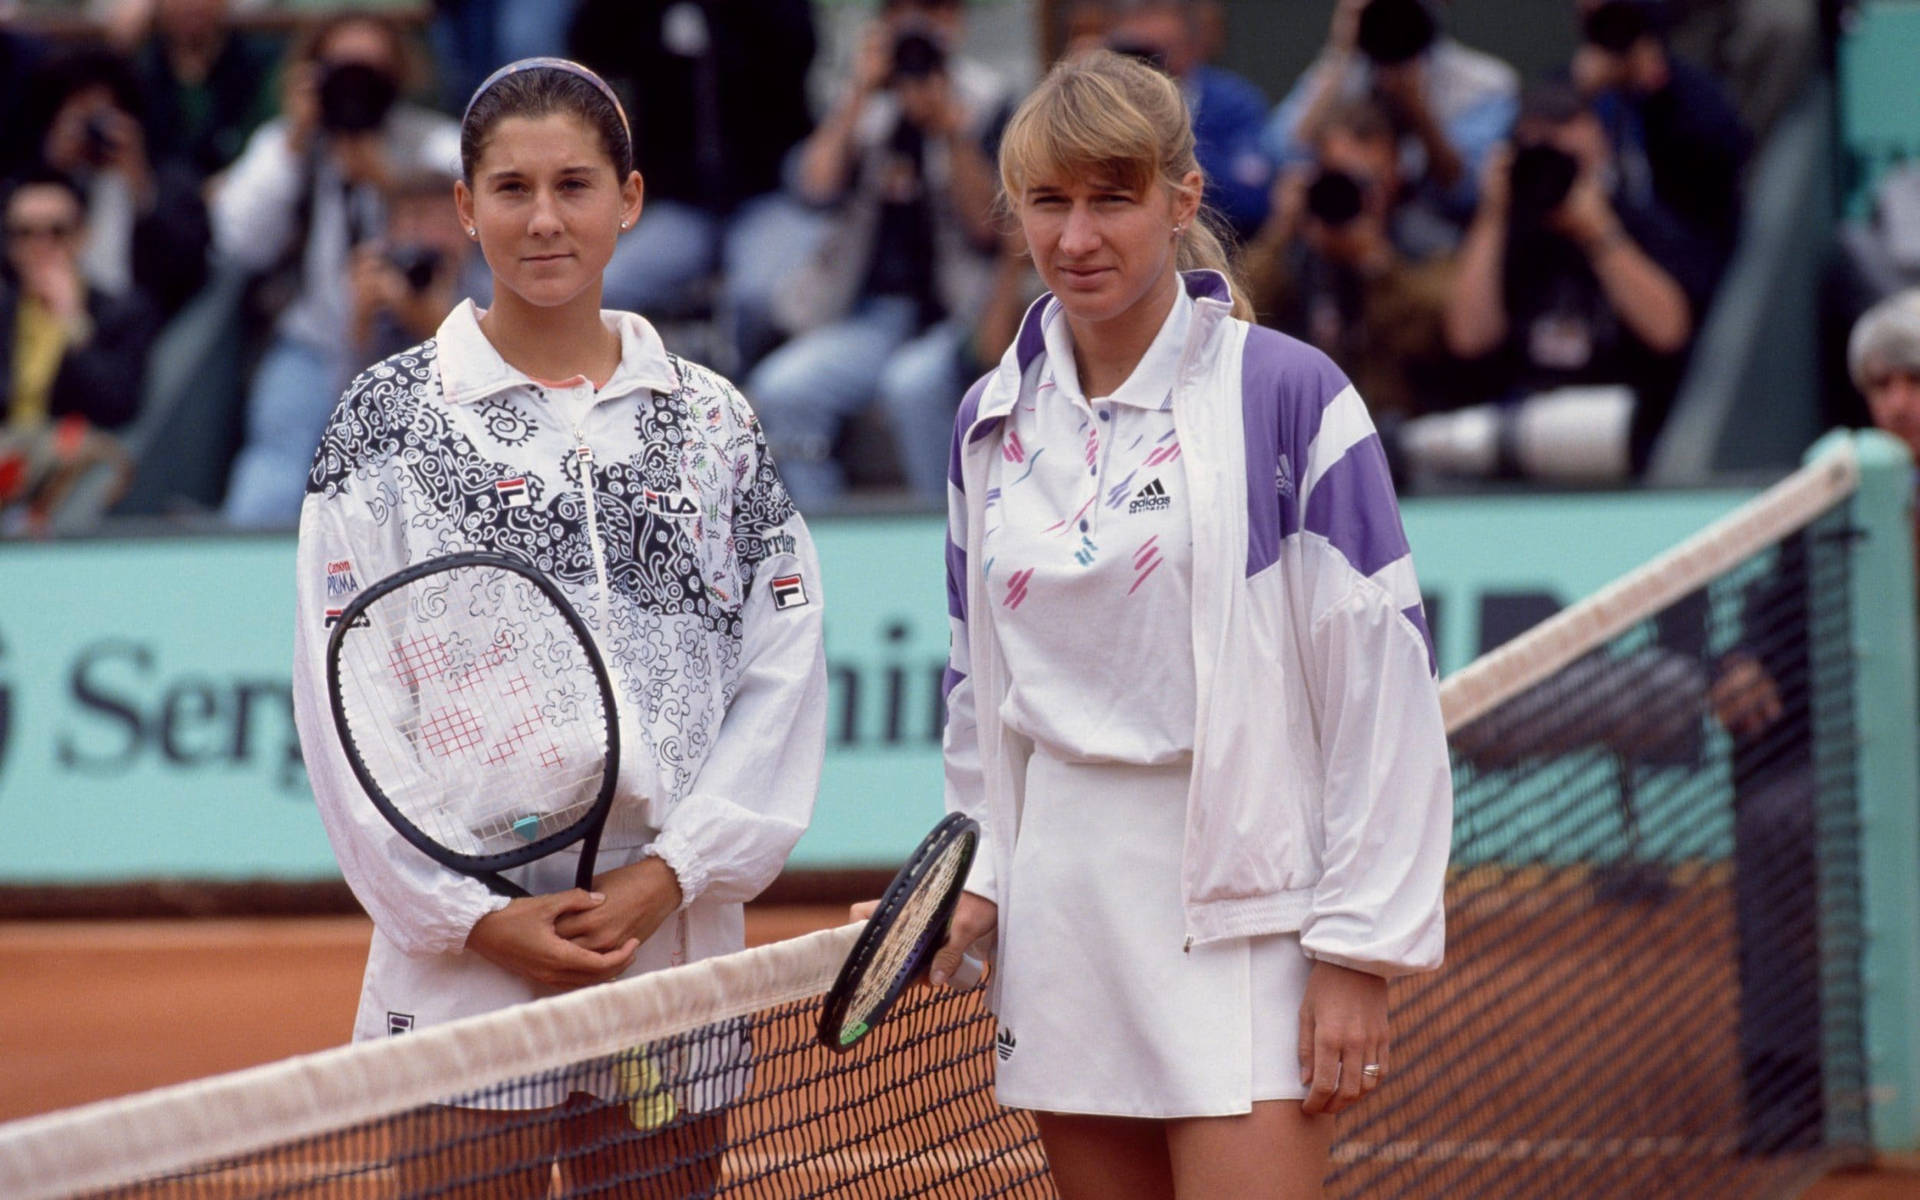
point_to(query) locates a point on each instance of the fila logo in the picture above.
(789, 591)
(340, 580)
(359, 622)
(1003, 1045)
(1151, 498)
(398, 1023)
(671, 504)
(513, 492)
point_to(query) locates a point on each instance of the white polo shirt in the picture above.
(1088, 546)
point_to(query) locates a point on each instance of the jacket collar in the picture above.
(1210, 290)
(472, 370)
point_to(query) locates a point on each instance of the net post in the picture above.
(1887, 718)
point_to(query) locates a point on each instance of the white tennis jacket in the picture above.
(685, 557)
(1322, 795)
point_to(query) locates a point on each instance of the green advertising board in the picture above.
(146, 727)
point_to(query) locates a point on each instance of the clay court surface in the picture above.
(99, 1009)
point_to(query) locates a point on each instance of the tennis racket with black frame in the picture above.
(901, 935)
(476, 711)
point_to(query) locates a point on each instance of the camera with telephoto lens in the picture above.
(355, 97)
(916, 55)
(1335, 198)
(418, 263)
(1541, 177)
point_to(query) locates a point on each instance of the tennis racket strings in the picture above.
(472, 702)
(909, 941)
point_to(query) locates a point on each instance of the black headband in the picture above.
(551, 64)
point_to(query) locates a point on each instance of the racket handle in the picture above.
(968, 974)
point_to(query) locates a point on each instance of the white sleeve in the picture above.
(422, 907)
(1387, 783)
(731, 834)
(254, 210)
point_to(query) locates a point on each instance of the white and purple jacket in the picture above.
(1322, 795)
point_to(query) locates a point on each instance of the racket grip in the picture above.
(968, 974)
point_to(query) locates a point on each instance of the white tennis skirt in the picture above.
(1102, 1011)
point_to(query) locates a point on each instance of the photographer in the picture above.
(1578, 302)
(905, 161)
(1451, 105)
(1345, 264)
(1674, 131)
(311, 186)
(406, 283)
(147, 226)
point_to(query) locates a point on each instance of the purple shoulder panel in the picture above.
(1353, 507)
(1284, 387)
(956, 580)
(1418, 615)
(962, 421)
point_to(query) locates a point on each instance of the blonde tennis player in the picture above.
(1191, 699)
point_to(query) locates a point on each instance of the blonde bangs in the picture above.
(1079, 125)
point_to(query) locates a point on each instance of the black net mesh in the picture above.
(745, 1108)
(1653, 927)
(1652, 985)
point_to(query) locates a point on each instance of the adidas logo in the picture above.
(1151, 498)
(1283, 477)
(1003, 1045)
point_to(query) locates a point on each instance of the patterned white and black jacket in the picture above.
(671, 556)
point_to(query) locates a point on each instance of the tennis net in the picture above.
(1652, 987)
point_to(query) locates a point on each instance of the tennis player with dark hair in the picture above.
(1192, 698)
(568, 438)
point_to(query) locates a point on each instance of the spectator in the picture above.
(311, 187)
(1348, 263)
(718, 94)
(1883, 357)
(203, 85)
(405, 284)
(1452, 105)
(905, 156)
(1576, 301)
(147, 225)
(1229, 112)
(71, 355)
(469, 38)
(1675, 135)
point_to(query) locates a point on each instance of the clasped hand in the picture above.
(575, 938)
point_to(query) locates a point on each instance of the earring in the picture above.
(472, 232)
(626, 224)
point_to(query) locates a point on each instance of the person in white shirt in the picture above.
(1191, 697)
(567, 437)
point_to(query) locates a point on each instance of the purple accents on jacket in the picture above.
(1353, 508)
(956, 581)
(962, 420)
(949, 680)
(1285, 385)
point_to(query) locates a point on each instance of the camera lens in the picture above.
(1335, 198)
(1541, 178)
(916, 56)
(355, 97)
(418, 263)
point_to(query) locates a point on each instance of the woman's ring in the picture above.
(1371, 1070)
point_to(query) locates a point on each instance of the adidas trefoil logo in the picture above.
(1003, 1045)
(1151, 498)
(1283, 477)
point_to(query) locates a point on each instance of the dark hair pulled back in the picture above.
(540, 88)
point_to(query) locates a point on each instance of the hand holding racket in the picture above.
(477, 713)
(907, 923)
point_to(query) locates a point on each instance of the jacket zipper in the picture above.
(584, 454)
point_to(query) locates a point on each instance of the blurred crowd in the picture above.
(1512, 272)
